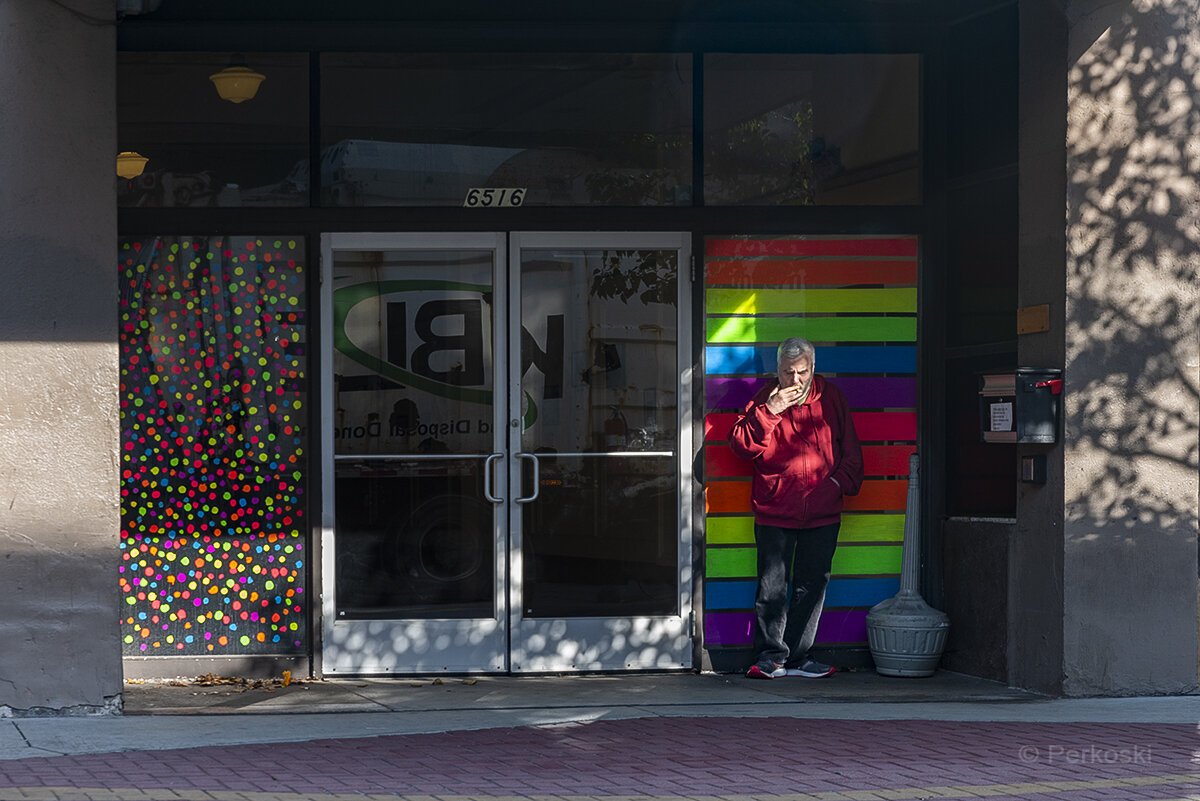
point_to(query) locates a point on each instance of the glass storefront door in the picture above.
(413, 549)
(502, 484)
(600, 529)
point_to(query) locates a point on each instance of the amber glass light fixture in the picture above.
(237, 83)
(130, 164)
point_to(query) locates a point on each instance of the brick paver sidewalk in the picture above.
(710, 759)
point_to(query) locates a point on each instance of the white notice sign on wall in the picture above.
(1002, 416)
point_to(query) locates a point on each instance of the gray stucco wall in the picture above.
(1132, 335)
(59, 514)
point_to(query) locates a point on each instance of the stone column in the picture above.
(1131, 506)
(59, 514)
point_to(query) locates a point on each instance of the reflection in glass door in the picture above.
(415, 553)
(598, 400)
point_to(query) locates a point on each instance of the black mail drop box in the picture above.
(1020, 406)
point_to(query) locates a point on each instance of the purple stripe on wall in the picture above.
(730, 393)
(862, 393)
(838, 625)
(728, 629)
(736, 629)
(874, 393)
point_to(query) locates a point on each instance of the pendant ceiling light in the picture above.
(237, 83)
(130, 164)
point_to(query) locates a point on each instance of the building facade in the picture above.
(425, 329)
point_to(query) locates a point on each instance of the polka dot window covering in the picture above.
(213, 445)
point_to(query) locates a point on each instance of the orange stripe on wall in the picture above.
(805, 274)
(733, 497)
(727, 496)
(879, 496)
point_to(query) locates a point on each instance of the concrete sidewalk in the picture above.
(184, 715)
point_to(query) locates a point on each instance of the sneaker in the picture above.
(766, 670)
(809, 669)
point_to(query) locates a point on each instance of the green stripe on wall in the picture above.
(851, 560)
(866, 560)
(816, 329)
(730, 563)
(729, 530)
(739, 530)
(809, 301)
(872, 528)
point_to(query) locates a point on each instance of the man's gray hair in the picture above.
(790, 350)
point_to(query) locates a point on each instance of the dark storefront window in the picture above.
(207, 151)
(981, 255)
(811, 130)
(563, 129)
(213, 401)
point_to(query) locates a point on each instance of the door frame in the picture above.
(506, 328)
(678, 630)
(488, 654)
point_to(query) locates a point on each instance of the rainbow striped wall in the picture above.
(856, 299)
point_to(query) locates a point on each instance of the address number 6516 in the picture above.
(494, 198)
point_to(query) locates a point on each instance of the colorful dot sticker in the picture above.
(213, 546)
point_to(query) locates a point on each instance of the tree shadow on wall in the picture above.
(1133, 154)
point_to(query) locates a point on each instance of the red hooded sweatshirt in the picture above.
(795, 454)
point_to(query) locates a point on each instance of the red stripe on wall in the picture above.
(871, 426)
(876, 426)
(720, 462)
(806, 274)
(876, 495)
(887, 460)
(878, 460)
(717, 426)
(882, 246)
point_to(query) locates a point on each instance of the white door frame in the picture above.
(579, 644)
(507, 641)
(412, 646)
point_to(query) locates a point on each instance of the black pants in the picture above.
(793, 573)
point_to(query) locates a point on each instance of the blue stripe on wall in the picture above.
(841, 592)
(861, 592)
(751, 360)
(729, 594)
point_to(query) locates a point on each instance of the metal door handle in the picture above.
(487, 478)
(537, 472)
